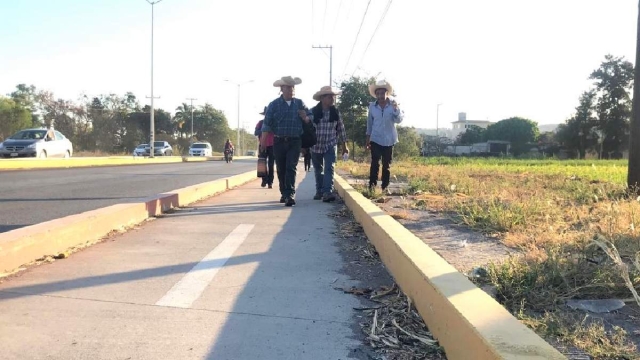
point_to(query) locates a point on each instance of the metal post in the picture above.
(330, 47)
(438, 127)
(633, 175)
(238, 140)
(152, 129)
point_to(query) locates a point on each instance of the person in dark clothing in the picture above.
(266, 152)
(306, 152)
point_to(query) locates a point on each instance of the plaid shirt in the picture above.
(329, 134)
(282, 119)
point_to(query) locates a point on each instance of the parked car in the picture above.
(36, 143)
(201, 149)
(251, 153)
(140, 150)
(160, 148)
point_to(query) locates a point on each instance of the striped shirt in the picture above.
(282, 119)
(329, 133)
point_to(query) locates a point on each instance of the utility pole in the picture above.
(633, 175)
(330, 47)
(438, 128)
(191, 140)
(152, 129)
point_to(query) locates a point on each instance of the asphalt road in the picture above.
(33, 196)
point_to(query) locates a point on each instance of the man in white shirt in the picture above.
(382, 135)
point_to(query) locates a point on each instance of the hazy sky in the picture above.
(492, 59)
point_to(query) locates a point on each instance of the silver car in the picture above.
(140, 150)
(39, 143)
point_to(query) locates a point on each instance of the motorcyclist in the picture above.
(228, 150)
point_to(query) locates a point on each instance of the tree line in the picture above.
(113, 123)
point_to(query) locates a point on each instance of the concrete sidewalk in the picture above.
(239, 276)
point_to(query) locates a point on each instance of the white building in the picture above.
(462, 124)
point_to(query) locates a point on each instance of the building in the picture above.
(462, 124)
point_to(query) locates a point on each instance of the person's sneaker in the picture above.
(270, 186)
(290, 202)
(282, 200)
(317, 196)
(329, 197)
(264, 183)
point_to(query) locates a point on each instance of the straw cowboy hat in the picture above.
(325, 90)
(380, 84)
(288, 81)
(263, 111)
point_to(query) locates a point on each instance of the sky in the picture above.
(492, 59)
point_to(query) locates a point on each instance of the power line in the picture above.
(357, 35)
(384, 14)
(324, 18)
(336, 22)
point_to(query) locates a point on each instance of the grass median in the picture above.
(573, 224)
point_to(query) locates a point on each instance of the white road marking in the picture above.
(191, 286)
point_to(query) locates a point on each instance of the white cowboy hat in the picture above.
(325, 90)
(288, 81)
(380, 84)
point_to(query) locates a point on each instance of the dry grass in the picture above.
(553, 211)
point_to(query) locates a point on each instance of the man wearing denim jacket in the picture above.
(330, 132)
(382, 135)
(284, 119)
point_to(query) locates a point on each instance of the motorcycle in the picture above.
(228, 155)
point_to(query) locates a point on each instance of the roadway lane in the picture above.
(33, 196)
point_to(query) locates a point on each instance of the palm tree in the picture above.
(181, 120)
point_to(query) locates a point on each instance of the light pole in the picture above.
(191, 140)
(438, 127)
(238, 130)
(152, 129)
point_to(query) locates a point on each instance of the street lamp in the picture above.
(238, 85)
(152, 129)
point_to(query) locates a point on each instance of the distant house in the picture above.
(463, 124)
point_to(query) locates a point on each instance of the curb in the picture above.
(468, 323)
(29, 164)
(24, 245)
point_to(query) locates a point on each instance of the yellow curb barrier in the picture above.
(24, 245)
(32, 164)
(468, 323)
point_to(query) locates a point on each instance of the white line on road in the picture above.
(191, 286)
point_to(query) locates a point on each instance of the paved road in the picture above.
(34, 196)
(236, 277)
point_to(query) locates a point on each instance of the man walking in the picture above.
(266, 152)
(330, 132)
(284, 119)
(382, 135)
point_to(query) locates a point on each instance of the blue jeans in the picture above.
(324, 161)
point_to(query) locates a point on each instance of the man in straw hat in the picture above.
(266, 152)
(284, 119)
(330, 132)
(382, 135)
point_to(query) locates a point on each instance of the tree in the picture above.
(25, 96)
(353, 106)
(579, 132)
(613, 81)
(409, 143)
(473, 134)
(13, 117)
(519, 131)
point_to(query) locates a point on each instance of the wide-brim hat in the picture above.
(325, 90)
(263, 111)
(288, 81)
(380, 84)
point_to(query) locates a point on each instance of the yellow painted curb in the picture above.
(468, 323)
(32, 164)
(24, 245)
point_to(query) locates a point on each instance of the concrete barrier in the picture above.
(24, 245)
(467, 322)
(32, 164)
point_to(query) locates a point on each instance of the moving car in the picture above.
(160, 148)
(201, 149)
(40, 143)
(140, 150)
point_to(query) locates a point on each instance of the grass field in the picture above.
(570, 219)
